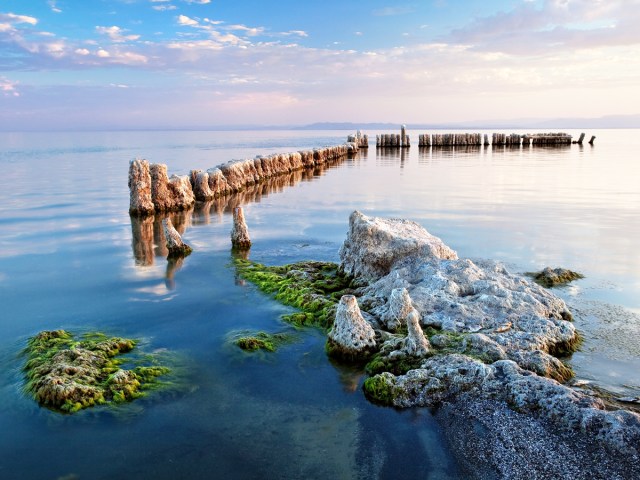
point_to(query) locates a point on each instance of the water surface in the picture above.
(71, 257)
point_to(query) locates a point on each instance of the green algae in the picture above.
(312, 287)
(379, 389)
(269, 342)
(67, 374)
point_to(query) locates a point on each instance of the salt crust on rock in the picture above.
(351, 334)
(511, 323)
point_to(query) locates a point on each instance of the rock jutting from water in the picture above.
(351, 336)
(553, 277)
(152, 190)
(240, 239)
(493, 333)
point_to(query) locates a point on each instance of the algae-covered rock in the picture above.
(270, 342)
(313, 287)
(553, 277)
(68, 374)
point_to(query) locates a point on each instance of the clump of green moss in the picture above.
(68, 374)
(262, 341)
(397, 365)
(313, 287)
(553, 277)
(380, 389)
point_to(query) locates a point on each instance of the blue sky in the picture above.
(181, 63)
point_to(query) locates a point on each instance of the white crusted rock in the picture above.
(416, 343)
(398, 307)
(240, 232)
(374, 245)
(351, 336)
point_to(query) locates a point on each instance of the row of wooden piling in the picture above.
(151, 190)
(497, 139)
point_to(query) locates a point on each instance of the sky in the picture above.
(69, 64)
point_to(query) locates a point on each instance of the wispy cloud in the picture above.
(13, 19)
(554, 25)
(53, 6)
(116, 34)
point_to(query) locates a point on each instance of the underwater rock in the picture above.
(68, 375)
(140, 201)
(552, 277)
(240, 232)
(374, 245)
(351, 337)
(175, 245)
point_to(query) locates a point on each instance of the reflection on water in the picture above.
(71, 257)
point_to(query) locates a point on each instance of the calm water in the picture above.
(71, 257)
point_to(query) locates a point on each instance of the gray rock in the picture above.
(415, 344)
(398, 307)
(351, 337)
(374, 246)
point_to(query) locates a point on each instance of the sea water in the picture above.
(70, 258)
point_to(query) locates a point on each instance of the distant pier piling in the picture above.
(497, 139)
(394, 140)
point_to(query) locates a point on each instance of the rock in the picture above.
(181, 192)
(67, 375)
(351, 337)
(455, 295)
(175, 245)
(140, 201)
(415, 344)
(552, 277)
(445, 377)
(240, 232)
(399, 306)
(374, 245)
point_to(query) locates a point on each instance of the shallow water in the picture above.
(71, 257)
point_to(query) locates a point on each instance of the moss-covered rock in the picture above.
(313, 287)
(68, 374)
(262, 341)
(380, 388)
(553, 277)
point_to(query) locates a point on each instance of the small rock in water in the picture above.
(551, 277)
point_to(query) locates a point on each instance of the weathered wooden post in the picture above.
(593, 139)
(175, 245)
(581, 139)
(240, 233)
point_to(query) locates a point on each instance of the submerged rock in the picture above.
(68, 375)
(351, 336)
(552, 277)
